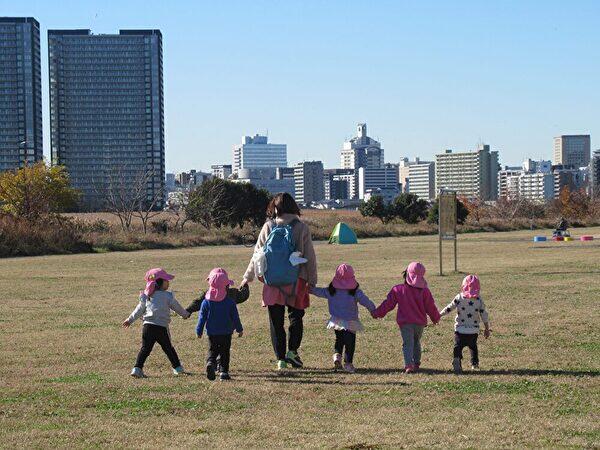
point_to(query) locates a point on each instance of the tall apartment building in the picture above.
(361, 151)
(308, 181)
(20, 92)
(507, 186)
(403, 171)
(255, 151)
(107, 111)
(339, 184)
(537, 186)
(385, 177)
(471, 174)
(421, 180)
(572, 150)
(222, 171)
(595, 173)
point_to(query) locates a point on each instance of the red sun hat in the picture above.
(218, 282)
(415, 275)
(344, 277)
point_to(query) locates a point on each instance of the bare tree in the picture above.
(147, 205)
(176, 205)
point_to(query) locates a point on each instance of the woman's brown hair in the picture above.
(282, 203)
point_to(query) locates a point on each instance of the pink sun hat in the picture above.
(218, 281)
(470, 286)
(344, 277)
(155, 274)
(415, 275)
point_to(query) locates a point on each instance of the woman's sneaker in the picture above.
(137, 373)
(349, 368)
(281, 365)
(293, 358)
(457, 365)
(224, 376)
(210, 372)
(179, 370)
(337, 361)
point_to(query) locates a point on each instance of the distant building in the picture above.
(308, 177)
(507, 186)
(567, 176)
(255, 152)
(266, 178)
(388, 194)
(222, 171)
(595, 173)
(471, 174)
(191, 179)
(421, 180)
(285, 173)
(536, 186)
(385, 177)
(170, 182)
(20, 92)
(403, 172)
(339, 184)
(107, 109)
(361, 151)
(572, 150)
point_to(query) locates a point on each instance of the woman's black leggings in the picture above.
(278, 336)
(345, 342)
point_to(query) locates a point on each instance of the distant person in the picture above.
(284, 227)
(155, 306)
(415, 303)
(219, 314)
(470, 312)
(562, 224)
(343, 297)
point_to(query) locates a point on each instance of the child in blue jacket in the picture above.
(219, 314)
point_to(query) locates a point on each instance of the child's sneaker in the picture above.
(178, 370)
(293, 358)
(349, 367)
(337, 361)
(137, 373)
(281, 365)
(224, 376)
(457, 365)
(475, 367)
(210, 372)
(410, 369)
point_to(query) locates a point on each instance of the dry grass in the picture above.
(66, 360)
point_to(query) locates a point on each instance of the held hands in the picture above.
(243, 283)
(125, 323)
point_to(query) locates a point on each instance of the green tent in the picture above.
(342, 234)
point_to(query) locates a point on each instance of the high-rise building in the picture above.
(255, 151)
(106, 111)
(361, 151)
(567, 176)
(572, 150)
(266, 178)
(471, 174)
(20, 92)
(339, 184)
(595, 173)
(507, 186)
(308, 177)
(421, 179)
(385, 177)
(222, 171)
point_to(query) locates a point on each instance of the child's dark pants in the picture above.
(276, 320)
(345, 342)
(466, 340)
(219, 347)
(150, 335)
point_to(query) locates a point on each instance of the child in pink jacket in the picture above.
(415, 303)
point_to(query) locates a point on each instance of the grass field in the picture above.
(65, 359)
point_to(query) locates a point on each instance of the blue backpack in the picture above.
(278, 248)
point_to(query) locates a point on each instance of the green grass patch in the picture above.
(84, 378)
(488, 387)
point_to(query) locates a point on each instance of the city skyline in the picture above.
(434, 76)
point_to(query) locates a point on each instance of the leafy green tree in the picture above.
(409, 207)
(434, 212)
(376, 207)
(36, 191)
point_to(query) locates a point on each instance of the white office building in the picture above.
(385, 177)
(222, 171)
(308, 178)
(361, 151)
(266, 178)
(471, 174)
(255, 152)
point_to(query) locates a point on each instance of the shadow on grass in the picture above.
(518, 372)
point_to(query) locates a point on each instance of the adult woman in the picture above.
(283, 210)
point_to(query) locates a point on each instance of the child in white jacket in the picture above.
(155, 306)
(470, 312)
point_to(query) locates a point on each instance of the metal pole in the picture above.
(440, 230)
(455, 234)
(455, 259)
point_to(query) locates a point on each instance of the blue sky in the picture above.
(425, 75)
